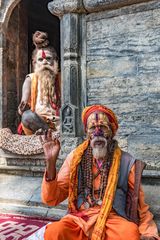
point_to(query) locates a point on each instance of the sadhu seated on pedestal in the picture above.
(40, 103)
(102, 183)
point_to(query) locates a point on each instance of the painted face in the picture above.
(43, 58)
(98, 126)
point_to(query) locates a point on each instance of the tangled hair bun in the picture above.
(40, 39)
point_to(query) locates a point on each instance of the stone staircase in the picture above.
(22, 165)
(151, 187)
(22, 195)
(20, 187)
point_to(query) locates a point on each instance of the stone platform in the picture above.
(22, 195)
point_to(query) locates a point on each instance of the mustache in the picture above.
(99, 139)
(46, 67)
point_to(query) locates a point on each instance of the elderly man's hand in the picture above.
(51, 149)
(146, 238)
(23, 106)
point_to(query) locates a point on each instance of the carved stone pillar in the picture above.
(1, 78)
(70, 14)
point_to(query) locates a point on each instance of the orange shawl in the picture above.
(98, 232)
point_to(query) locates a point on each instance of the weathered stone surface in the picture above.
(101, 5)
(6, 9)
(146, 148)
(81, 6)
(14, 61)
(68, 144)
(152, 198)
(71, 88)
(27, 197)
(1, 84)
(59, 8)
(123, 73)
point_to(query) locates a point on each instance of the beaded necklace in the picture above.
(86, 185)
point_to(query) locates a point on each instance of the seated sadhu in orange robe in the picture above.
(40, 103)
(102, 183)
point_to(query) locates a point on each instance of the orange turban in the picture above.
(100, 108)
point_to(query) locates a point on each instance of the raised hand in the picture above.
(51, 149)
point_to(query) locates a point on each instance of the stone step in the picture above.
(30, 171)
(22, 195)
(15, 164)
(34, 211)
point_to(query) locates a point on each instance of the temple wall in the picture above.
(119, 67)
(109, 55)
(122, 61)
(118, 54)
(10, 86)
(14, 60)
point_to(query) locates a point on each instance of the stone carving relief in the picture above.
(68, 120)
(68, 144)
(59, 8)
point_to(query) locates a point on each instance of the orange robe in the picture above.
(33, 100)
(80, 226)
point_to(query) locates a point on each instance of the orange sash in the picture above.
(98, 232)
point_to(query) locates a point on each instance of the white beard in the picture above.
(99, 151)
(53, 68)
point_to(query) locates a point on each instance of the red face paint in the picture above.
(97, 117)
(43, 54)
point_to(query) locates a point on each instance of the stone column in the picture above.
(70, 14)
(1, 82)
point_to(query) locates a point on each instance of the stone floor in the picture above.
(21, 195)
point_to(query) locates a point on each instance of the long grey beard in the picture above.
(99, 151)
(47, 84)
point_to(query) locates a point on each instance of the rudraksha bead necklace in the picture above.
(88, 178)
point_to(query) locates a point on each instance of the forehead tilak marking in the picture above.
(43, 54)
(96, 117)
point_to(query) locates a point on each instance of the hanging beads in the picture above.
(87, 178)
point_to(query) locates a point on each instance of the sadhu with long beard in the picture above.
(40, 101)
(102, 183)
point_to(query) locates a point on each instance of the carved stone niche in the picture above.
(68, 118)
(59, 8)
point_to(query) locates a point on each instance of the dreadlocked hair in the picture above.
(85, 186)
(40, 40)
